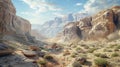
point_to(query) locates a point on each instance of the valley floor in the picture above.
(82, 54)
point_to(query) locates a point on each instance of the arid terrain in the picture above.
(92, 41)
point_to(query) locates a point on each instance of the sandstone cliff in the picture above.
(95, 27)
(12, 25)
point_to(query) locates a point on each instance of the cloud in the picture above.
(41, 11)
(93, 6)
(78, 4)
(58, 14)
(41, 5)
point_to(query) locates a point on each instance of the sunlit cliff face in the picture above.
(6, 11)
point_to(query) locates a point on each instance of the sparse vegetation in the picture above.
(66, 53)
(107, 50)
(101, 55)
(48, 57)
(76, 64)
(100, 62)
(115, 55)
(118, 47)
(91, 50)
(78, 48)
(73, 55)
(81, 60)
(97, 54)
(112, 45)
(86, 47)
(41, 62)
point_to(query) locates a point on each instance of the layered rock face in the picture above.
(71, 31)
(105, 23)
(97, 26)
(10, 24)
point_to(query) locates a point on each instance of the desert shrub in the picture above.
(66, 53)
(78, 48)
(73, 55)
(81, 60)
(97, 54)
(115, 55)
(83, 45)
(91, 50)
(112, 45)
(101, 55)
(106, 50)
(48, 57)
(86, 47)
(118, 47)
(76, 64)
(42, 62)
(100, 62)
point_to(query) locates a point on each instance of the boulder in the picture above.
(29, 53)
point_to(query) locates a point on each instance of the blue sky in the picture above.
(39, 11)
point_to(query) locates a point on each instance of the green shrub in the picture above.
(97, 54)
(91, 50)
(118, 47)
(78, 48)
(76, 64)
(115, 55)
(86, 47)
(101, 62)
(48, 57)
(106, 50)
(73, 55)
(41, 62)
(101, 55)
(112, 45)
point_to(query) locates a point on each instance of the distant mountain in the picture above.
(52, 27)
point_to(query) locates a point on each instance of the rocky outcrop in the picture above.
(5, 50)
(96, 27)
(10, 24)
(71, 31)
(28, 53)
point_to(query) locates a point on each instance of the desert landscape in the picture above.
(88, 41)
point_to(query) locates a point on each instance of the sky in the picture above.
(40, 11)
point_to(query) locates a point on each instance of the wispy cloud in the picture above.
(93, 6)
(78, 4)
(42, 5)
(58, 14)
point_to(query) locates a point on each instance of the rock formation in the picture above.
(95, 27)
(12, 28)
(5, 50)
(71, 31)
(53, 27)
(10, 24)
